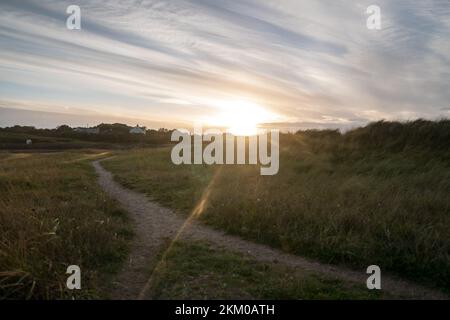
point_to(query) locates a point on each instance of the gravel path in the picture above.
(155, 227)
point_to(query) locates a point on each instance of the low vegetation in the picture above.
(53, 214)
(374, 195)
(106, 136)
(194, 270)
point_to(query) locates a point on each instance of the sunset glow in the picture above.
(161, 63)
(241, 117)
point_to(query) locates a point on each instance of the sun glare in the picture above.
(241, 117)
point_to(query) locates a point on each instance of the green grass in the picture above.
(194, 270)
(17, 141)
(53, 214)
(13, 137)
(20, 139)
(341, 199)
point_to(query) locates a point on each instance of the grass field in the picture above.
(377, 195)
(17, 141)
(194, 270)
(52, 215)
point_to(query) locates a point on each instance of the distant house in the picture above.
(87, 130)
(29, 141)
(138, 130)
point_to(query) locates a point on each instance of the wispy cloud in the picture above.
(310, 62)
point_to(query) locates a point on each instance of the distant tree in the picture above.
(23, 129)
(64, 129)
(114, 129)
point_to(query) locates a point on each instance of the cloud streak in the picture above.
(309, 62)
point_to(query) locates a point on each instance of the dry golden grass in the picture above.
(52, 215)
(342, 199)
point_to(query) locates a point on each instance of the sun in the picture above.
(241, 117)
(241, 128)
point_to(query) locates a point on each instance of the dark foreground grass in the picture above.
(194, 270)
(52, 215)
(345, 199)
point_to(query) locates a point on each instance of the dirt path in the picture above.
(156, 226)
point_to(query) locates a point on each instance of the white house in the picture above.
(138, 130)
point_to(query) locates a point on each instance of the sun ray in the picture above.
(195, 214)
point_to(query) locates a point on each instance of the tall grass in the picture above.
(194, 270)
(52, 215)
(374, 195)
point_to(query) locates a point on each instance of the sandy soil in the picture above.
(156, 227)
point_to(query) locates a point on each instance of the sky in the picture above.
(287, 64)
